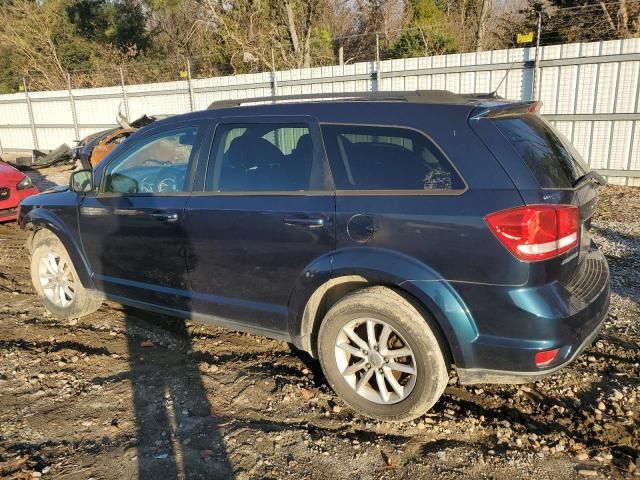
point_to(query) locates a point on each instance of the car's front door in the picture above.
(132, 229)
(266, 212)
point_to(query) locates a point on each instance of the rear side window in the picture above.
(552, 159)
(265, 157)
(387, 158)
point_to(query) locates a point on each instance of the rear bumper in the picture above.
(514, 324)
(470, 376)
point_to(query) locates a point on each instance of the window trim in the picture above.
(404, 192)
(153, 132)
(319, 149)
(258, 193)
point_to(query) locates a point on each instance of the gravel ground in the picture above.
(127, 394)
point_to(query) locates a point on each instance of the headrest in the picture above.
(304, 145)
(247, 151)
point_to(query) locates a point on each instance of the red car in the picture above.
(14, 187)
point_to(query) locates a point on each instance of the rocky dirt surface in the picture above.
(126, 394)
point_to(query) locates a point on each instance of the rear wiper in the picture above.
(591, 176)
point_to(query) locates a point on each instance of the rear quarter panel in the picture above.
(444, 231)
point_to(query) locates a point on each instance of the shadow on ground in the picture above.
(177, 431)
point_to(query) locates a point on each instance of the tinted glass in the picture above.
(261, 158)
(386, 158)
(553, 160)
(158, 164)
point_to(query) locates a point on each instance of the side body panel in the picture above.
(244, 260)
(246, 251)
(131, 253)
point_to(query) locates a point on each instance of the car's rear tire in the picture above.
(56, 281)
(382, 356)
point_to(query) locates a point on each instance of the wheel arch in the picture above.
(38, 220)
(421, 285)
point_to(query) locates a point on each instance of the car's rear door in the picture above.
(265, 213)
(132, 228)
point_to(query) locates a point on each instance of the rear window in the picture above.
(367, 157)
(553, 160)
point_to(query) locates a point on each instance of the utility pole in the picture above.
(536, 63)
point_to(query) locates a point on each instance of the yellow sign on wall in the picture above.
(525, 37)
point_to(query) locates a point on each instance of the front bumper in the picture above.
(8, 214)
(9, 207)
(516, 323)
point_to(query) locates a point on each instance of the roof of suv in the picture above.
(441, 97)
(339, 106)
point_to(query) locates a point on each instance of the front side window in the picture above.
(159, 164)
(265, 157)
(387, 158)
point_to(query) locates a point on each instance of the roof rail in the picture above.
(388, 96)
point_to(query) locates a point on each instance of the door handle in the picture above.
(304, 222)
(168, 217)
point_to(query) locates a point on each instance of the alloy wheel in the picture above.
(376, 361)
(56, 279)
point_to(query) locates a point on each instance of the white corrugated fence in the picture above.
(590, 92)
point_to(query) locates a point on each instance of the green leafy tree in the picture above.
(120, 23)
(429, 31)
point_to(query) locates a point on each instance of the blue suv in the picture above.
(391, 235)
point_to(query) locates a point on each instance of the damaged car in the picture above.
(93, 148)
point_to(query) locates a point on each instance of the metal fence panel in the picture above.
(590, 91)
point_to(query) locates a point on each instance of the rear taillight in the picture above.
(536, 232)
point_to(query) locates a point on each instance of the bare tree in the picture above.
(303, 25)
(30, 30)
(485, 6)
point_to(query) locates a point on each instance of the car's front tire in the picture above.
(382, 356)
(56, 281)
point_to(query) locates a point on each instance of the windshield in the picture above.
(552, 159)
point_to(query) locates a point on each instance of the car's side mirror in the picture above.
(81, 181)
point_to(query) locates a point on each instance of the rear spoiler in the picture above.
(503, 110)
